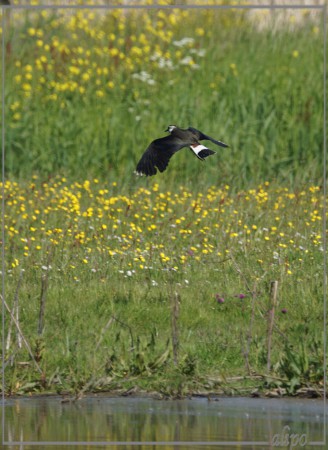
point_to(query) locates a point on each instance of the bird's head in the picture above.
(170, 128)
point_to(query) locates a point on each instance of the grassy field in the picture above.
(163, 283)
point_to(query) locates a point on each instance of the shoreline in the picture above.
(134, 392)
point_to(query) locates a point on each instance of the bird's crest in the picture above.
(170, 128)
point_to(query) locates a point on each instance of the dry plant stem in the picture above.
(273, 303)
(246, 350)
(175, 301)
(108, 324)
(43, 296)
(15, 311)
(21, 334)
(128, 327)
(44, 291)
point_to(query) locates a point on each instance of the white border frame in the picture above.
(322, 8)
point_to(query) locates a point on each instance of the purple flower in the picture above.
(284, 310)
(241, 296)
(219, 299)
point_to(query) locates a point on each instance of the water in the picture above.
(244, 422)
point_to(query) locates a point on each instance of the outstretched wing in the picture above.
(201, 136)
(158, 155)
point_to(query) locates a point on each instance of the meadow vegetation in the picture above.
(164, 283)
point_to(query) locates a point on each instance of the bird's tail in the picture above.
(201, 151)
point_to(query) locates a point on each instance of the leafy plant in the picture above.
(299, 366)
(144, 359)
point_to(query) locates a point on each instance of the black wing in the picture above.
(201, 136)
(158, 155)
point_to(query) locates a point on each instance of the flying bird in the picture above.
(160, 151)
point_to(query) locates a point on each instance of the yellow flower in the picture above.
(17, 116)
(26, 87)
(114, 52)
(136, 51)
(74, 70)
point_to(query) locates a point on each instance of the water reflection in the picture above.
(102, 419)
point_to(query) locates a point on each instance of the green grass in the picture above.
(115, 251)
(249, 90)
(113, 273)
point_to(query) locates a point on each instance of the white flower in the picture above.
(155, 56)
(199, 52)
(184, 41)
(187, 60)
(143, 76)
(165, 63)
